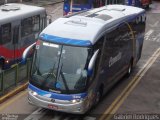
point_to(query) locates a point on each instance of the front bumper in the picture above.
(57, 105)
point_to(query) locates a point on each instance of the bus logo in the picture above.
(52, 100)
(115, 59)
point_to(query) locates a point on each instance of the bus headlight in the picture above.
(34, 93)
(76, 101)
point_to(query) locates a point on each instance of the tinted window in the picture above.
(5, 33)
(80, 2)
(67, 1)
(125, 35)
(36, 23)
(30, 25)
(114, 2)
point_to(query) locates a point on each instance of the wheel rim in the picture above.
(129, 70)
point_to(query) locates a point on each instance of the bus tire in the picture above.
(130, 67)
(99, 94)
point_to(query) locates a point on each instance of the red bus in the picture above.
(20, 26)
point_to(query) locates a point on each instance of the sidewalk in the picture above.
(42, 2)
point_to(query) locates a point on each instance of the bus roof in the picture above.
(85, 28)
(13, 11)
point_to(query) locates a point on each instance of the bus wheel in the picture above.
(99, 95)
(129, 71)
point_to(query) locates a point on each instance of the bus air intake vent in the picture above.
(10, 8)
(76, 23)
(84, 14)
(92, 15)
(116, 9)
(103, 17)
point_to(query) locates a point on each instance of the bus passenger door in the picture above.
(15, 42)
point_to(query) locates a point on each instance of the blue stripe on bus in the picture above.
(68, 41)
(56, 95)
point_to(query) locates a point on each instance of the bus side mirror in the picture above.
(26, 51)
(49, 19)
(92, 62)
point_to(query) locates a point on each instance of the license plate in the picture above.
(52, 107)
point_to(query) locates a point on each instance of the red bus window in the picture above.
(5, 33)
(30, 25)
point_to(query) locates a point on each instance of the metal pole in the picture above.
(71, 5)
(5, 1)
(17, 72)
(2, 82)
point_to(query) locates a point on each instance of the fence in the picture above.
(12, 77)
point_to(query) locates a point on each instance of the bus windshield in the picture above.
(81, 2)
(59, 68)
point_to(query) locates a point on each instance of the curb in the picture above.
(14, 92)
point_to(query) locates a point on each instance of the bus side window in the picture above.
(5, 33)
(30, 25)
(36, 23)
(15, 34)
(26, 28)
(41, 23)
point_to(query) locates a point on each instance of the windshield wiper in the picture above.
(51, 72)
(63, 78)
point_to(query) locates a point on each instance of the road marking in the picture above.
(155, 24)
(4, 105)
(120, 99)
(36, 115)
(41, 112)
(147, 35)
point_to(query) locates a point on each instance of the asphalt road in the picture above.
(138, 94)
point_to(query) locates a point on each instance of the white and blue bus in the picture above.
(78, 58)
